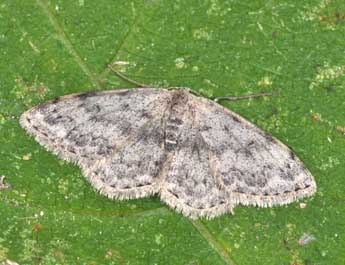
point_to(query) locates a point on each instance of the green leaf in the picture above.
(51, 48)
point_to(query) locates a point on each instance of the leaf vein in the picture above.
(212, 241)
(68, 44)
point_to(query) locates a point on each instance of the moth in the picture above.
(200, 157)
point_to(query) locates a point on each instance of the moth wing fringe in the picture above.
(271, 200)
(193, 213)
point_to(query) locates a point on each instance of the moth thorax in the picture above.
(172, 131)
(174, 121)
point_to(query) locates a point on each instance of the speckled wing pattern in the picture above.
(251, 165)
(200, 157)
(110, 134)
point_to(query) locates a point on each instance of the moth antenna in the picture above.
(119, 74)
(263, 94)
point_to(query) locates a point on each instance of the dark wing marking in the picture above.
(86, 127)
(133, 170)
(115, 136)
